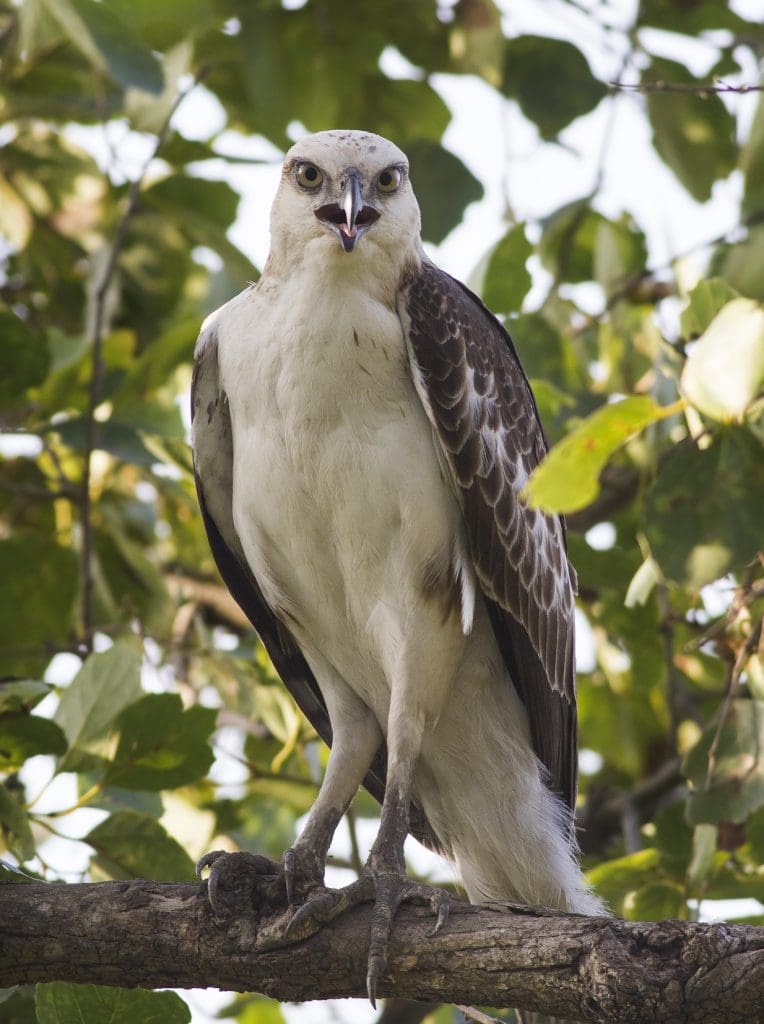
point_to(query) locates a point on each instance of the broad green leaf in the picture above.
(754, 831)
(444, 187)
(24, 359)
(253, 1009)
(23, 736)
(22, 694)
(14, 820)
(132, 845)
(16, 221)
(161, 746)
(59, 1002)
(104, 686)
(693, 134)
(735, 786)
(203, 211)
(724, 371)
(568, 478)
(695, 18)
(674, 839)
(551, 80)
(476, 41)
(703, 512)
(507, 280)
(620, 254)
(569, 240)
(656, 901)
(752, 160)
(706, 299)
(615, 879)
(36, 600)
(108, 42)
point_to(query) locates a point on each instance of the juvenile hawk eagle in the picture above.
(362, 433)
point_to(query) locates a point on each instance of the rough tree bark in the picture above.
(590, 969)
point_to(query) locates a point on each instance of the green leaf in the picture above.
(24, 359)
(703, 512)
(569, 241)
(568, 478)
(89, 706)
(161, 746)
(36, 600)
(132, 845)
(108, 42)
(443, 185)
(253, 1009)
(740, 263)
(551, 80)
(204, 211)
(22, 694)
(23, 736)
(59, 1002)
(615, 879)
(620, 254)
(736, 785)
(752, 161)
(724, 372)
(694, 135)
(705, 300)
(15, 820)
(656, 901)
(507, 280)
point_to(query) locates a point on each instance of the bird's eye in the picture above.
(389, 180)
(308, 176)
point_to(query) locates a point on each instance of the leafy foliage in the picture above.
(648, 379)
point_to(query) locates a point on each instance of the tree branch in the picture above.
(591, 969)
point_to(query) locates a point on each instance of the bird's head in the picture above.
(348, 191)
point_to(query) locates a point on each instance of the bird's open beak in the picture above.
(349, 217)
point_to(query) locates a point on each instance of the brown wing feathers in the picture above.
(486, 420)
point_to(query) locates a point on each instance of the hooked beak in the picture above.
(349, 217)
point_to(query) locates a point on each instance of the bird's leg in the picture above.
(356, 739)
(384, 875)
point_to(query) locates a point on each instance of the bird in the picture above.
(363, 433)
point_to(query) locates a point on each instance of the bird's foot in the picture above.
(388, 889)
(242, 883)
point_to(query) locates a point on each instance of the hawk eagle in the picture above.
(362, 432)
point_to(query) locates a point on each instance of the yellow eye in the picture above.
(389, 179)
(308, 176)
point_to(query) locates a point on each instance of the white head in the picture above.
(345, 196)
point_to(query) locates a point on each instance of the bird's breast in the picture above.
(339, 499)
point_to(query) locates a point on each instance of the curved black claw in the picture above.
(388, 890)
(391, 891)
(240, 882)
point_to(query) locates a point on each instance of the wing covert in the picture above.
(485, 420)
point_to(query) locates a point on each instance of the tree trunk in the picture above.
(155, 935)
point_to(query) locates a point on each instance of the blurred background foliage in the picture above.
(140, 721)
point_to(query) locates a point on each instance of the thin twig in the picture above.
(97, 371)
(684, 87)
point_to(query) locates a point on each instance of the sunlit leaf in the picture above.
(89, 706)
(132, 845)
(568, 478)
(725, 369)
(161, 746)
(706, 299)
(655, 901)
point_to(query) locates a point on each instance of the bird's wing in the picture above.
(486, 425)
(213, 469)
